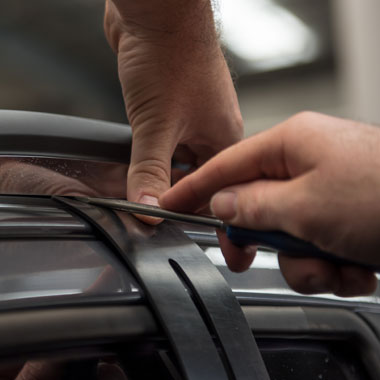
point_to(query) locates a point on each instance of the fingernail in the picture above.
(149, 200)
(224, 205)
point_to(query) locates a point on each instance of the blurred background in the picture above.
(285, 56)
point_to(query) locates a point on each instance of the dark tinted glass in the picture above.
(313, 360)
(62, 367)
(54, 176)
(32, 269)
(147, 359)
(137, 361)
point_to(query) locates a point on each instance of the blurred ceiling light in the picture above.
(265, 35)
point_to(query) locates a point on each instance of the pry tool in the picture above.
(277, 240)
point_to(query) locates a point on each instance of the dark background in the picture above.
(55, 58)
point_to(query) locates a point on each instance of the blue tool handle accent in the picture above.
(289, 245)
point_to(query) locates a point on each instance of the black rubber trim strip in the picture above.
(172, 305)
(224, 315)
(148, 251)
(37, 134)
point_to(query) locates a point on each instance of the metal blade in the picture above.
(142, 209)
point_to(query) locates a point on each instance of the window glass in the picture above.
(34, 269)
(312, 360)
(55, 176)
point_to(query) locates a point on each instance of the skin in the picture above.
(177, 89)
(313, 176)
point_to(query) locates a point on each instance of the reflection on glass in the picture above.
(33, 269)
(51, 176)
(64, 368)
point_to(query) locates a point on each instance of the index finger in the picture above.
(260, 156)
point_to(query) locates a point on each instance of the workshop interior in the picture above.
(285, 56)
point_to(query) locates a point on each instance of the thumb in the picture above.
(150, 168)
(263, 205)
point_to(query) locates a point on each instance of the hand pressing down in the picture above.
(177, 89)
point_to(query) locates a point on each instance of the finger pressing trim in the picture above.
(150, 169)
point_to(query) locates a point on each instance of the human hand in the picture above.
(177, 89)
(313, 176)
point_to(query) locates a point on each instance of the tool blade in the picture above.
(143, 209)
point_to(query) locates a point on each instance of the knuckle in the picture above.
(112, 25)
(300, 121)
(300, 285)
(298, 273)
(304, 226)
(219, 171)
(303, 117)
(239, 126)
(150, 171)
(252, 211)
(302, 215)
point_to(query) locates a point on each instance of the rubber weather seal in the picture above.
(196, 308)
(36, 134)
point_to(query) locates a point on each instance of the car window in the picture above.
(59, 176)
